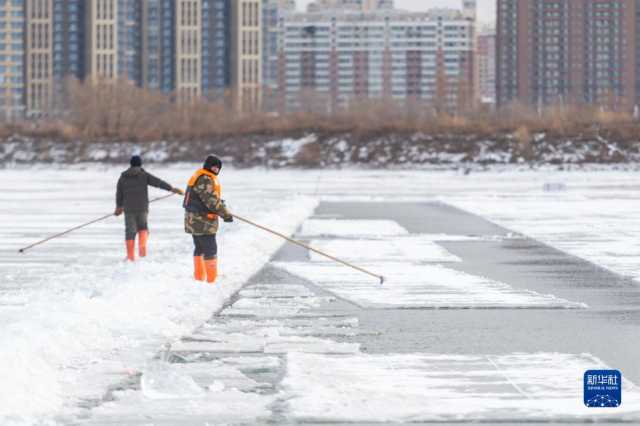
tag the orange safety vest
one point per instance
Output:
(192, 202)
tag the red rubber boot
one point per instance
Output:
(211, 267)
(143, 237)
(199, 270)
(131, 250)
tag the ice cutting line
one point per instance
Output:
(75, 228)
(301, 244)
(511, 382)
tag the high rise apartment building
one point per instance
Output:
(246, 54)
(568, 51)
(333, 57)
(39, 55)
(216, 48)
(188, 53)
(180, 47)
(157, 43)
(12, 58)
(102, 40)
(486, 67)
(53, 49)
(272, 12)
(185, 47)
(356, 5)
(130, 26)
(68, 41)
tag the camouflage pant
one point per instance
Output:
(134, 222)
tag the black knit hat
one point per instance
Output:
(212, 161)
(136, 161)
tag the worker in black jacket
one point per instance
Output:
(132, 198)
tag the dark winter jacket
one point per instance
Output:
(132, 193)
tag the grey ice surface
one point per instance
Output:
(306, 316)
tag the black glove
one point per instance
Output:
(228, 219)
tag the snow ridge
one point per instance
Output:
(98, 322)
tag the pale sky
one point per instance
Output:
(486, 8)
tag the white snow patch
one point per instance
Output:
(275, 303)
(281, 331)
(284, 326)
(351, 228)
(87, 317)
(252, 364)
(310, 345)
(291, 147)
(598, 226)
(272, 323)
(220, 405)
(276, 290)
(80, 304)
(159, 381)
(418, 387)
(420, 286)
(261, 340)
(232, 344)
(397, 249)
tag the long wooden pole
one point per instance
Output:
(292, 241)
(75, 228)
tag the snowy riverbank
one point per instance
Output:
(311, 150)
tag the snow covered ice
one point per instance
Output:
(425, 387)
(401, 249)
(84, 333)
(84, 319)
(350, 228)
(425, 286)
(409, 283)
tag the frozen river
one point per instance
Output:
(477, 322)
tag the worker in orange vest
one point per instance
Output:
(203, 205)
